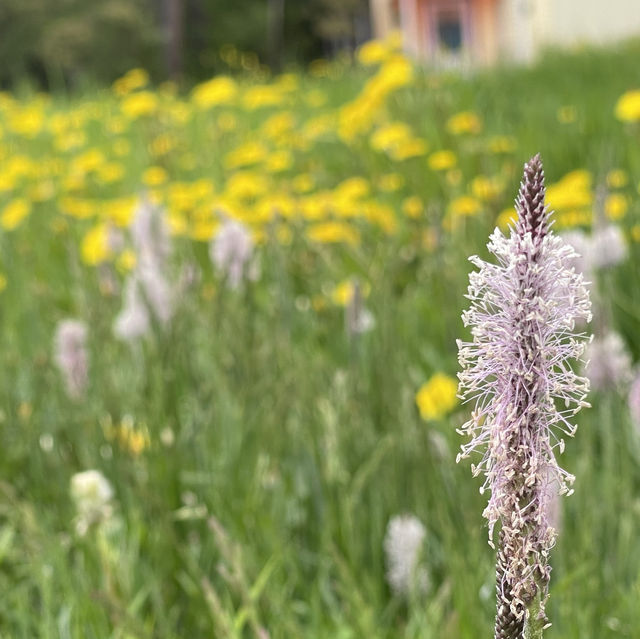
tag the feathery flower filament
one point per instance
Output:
(517, 369)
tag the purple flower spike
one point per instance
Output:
(517, 370)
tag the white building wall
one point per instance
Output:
(574, 22)
(516, 39)
(528, 26)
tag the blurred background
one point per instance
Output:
(234, 242)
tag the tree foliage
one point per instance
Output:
(61, 42)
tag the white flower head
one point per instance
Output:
(582, 261)
(231, 250)
(150, 233)
(92, 493)
(609, 362)
(608, 246)
(70, 355)
(133, 320)
(358, 318)
(634, 402)
(148, 291)
(402, 543)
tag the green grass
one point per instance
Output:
(300, 443)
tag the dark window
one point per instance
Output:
(450, 30)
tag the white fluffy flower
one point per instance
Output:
(92, 493)
(608, 247)
(150, 233)
(609, 362)
(604, 248)
(634, 402)
(133, 320)
(70, 355)
(148, 290)
(358, 318)
(231, 250)
(581, 242)
(402, 544)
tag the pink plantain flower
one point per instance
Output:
(231, 251)
(517, 369)
(70, 354)
(148, 291)
(634, 402)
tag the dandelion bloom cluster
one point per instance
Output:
(517, 370)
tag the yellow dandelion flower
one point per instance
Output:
(413, 207)
(178, 224)
(26, 122)
(343, 292)
(219, 90)
(91, 160)
(388, 136)
(573, 191)
(616, 206)
(628, 106)
(155, 176)
(437, 397)
(130, 81)
(262, 95)
(501, 144)
(279, 161)
(507, 218)
(245, 185)
(119, 211)
(139, 104)
(352, 188)
(245, 155)
(486, 188)
(382, 216)
(442, 160)
(77, 207)
(372, 52)
(409, 149)
(126, 261)
(464, 205)
(278, 124)
(333, 232)
(14, 213)
(94, 248)
(3, 282)
(464, 122)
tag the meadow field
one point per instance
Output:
(238, 306)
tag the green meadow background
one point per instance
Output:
(257, 450)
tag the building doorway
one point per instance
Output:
(450, 30)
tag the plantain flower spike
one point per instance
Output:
(517, 370)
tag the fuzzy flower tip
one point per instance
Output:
(231, 251)
(70, 355)
(609, 362)
(92, 493)
(402, 543)
(517, 370)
